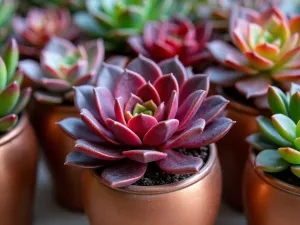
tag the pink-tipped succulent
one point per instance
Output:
(62, 66)
(178, 36)
(39, 26)
(12, 99)
(140, 115)
(266, 51)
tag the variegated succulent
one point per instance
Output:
(140, 115)
(178, 36)
(115, 20)
(39, 26)
(279, 137)
(7, 11)
(266, 51)
(12, 99)
(62, 66)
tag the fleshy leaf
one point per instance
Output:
(284, 126)
(8, 122)
(296, 170)
(290, 155)
(105, 103)
(270, 161)
(260, 142)
(9, 98)
(294, 108)
(277, 101)
(108, 76)
(11, 58)
(144, 156)
(165, 86)
(141, 123)
(78, 159)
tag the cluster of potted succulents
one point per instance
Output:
(130, 97)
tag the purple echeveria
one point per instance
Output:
(62, 66)
(178, 36)
(140, 115)
(39, 26)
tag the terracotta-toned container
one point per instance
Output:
(56, 145)
(193, 201)
(18, 166)
(233, 151)
(269, 201)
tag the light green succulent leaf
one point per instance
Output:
(296, 170)
(9, 98)
(6, 12)
(298, 129)
(3, 75)
(284, 126)
(295, 107)
(290, 155)
(277, 101)
(260, 142)
(8, 122)
(11, 59)
(267, 129)
(130, 18)
(138, 109)
(23, 101)
(89, 25)
(270, 161)
(297, 143)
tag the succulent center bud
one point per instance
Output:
(148, 108)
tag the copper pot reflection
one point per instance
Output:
(269, 201)
(18, 166)
(193, 201)
(56, 145)
(233, 151)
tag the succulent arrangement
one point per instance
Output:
(62, 66)
(116, 20)
(178, 36)
(279, 137)
(7, 10)
(141, 115)
(35, 30)
(266, 52)
(12, 99)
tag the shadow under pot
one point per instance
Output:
(268, 200)
(56, 145)
(192, 201)
(233, 150)
(18, 167)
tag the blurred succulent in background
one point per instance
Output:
(7, 11)
(12, 99)
(39, 26)
(140, 115)
(62, 66)
(267, 51)
(178, 36)
(279, 138)
(116, 20)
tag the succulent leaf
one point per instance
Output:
(270, 161)
(277, 101)
(296, 170)
(260, 142)
(8, 122)
(295, 107)
(284, 126)
(290, 155)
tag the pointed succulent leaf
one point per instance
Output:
(294, 88)
(104, 102)
(267, 129)
(3, 75)
(260, 142)
(11, 58)
(9, 98)
(297, 143)
(165, 85)
(47, 98)
(295, 107)
(277, 101)
(144, 156)
(270, 161)
(141, 123)
(23, 100)
(290, 155)
(298, 129)
(8, 122)
(80, 160)
(296, 170)
(284, 126)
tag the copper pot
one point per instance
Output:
(56, 145)
(18, 166)
(233, 151)
(193, 201)
(269, 201)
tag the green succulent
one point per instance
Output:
(7, 11)
(115, 20)
(279, 137)
(12, 99)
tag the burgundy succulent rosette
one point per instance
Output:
(140, 115)
(39, 26)
(178, 36)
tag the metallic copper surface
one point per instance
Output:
(56, 145)
(18, 165)
(233, 151)
(269, 201)
(194, 201)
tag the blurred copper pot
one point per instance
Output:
(269, 201)
(56, 145)
(233, 151)
(193, 201)
(18, 166)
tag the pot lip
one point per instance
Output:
(58, 107)
(276, 183)
(237, 105)
(22, 124)
(163, 189)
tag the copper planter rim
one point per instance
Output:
(237, 105)
(163, 189)
(276, 183)
(15, 131)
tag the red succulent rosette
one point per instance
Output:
(179, 36)
(140, 115)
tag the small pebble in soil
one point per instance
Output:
(154, 176)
